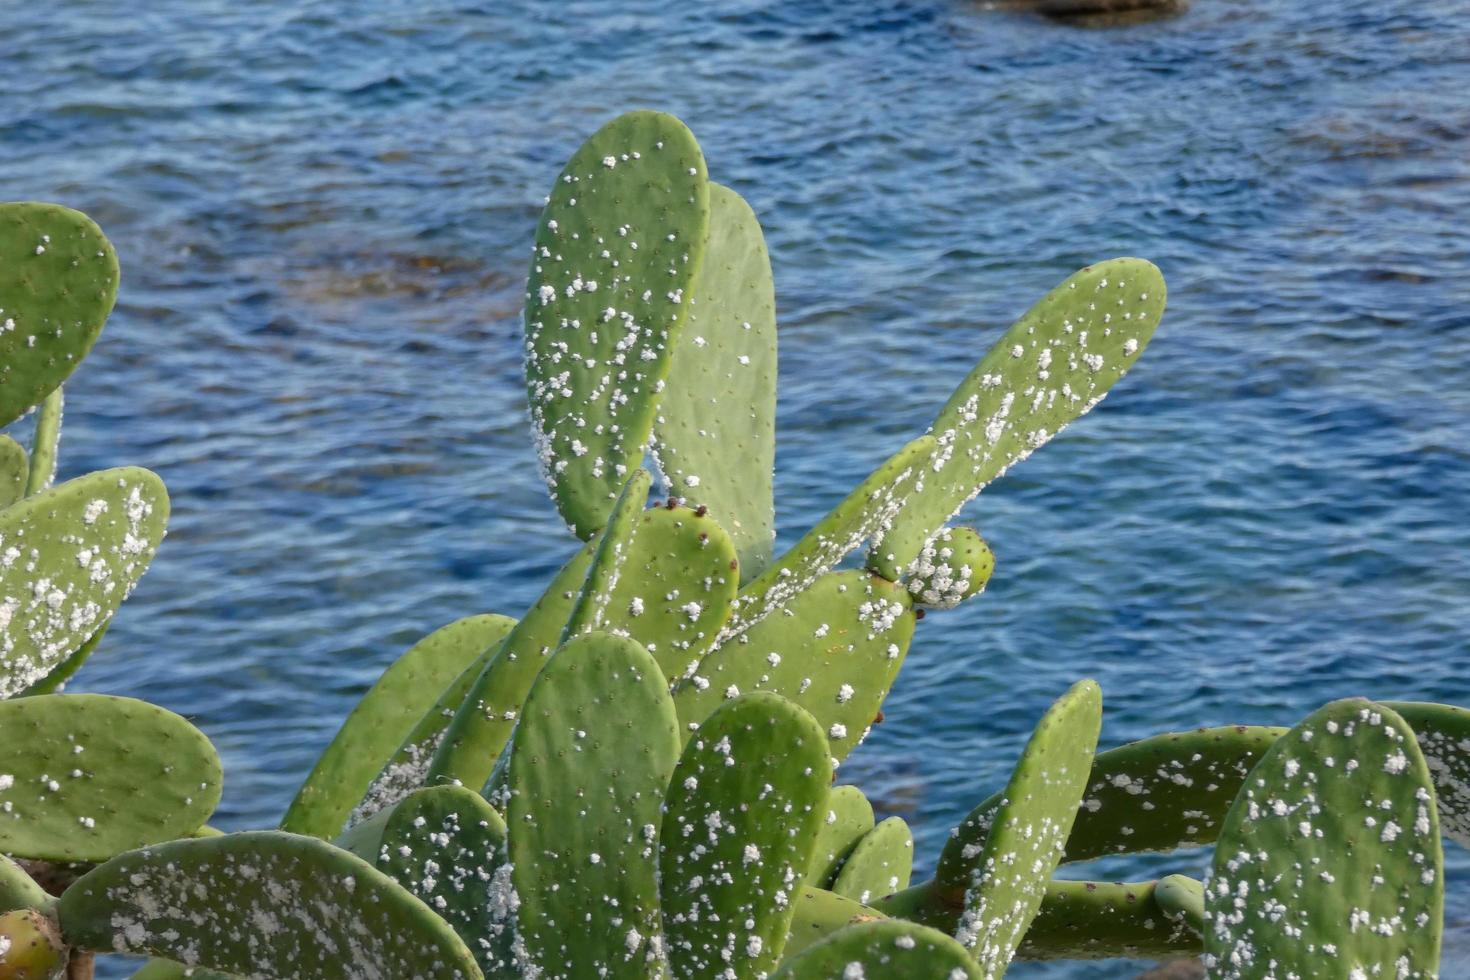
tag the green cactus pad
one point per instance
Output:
(846, 820)
(471, 722)
(68, 558)
(857, 518)
(53, 682)
(1052, 366)
(384, 717)
(954, 566)
(58, 281)
(740, 825)
(1443, 733)
(820, 914)
(1157, 794)
(31, 947)
(881, 864)
(1182, 899)
(14, 465)
(445, 844)
(262, 903)
(835, 650)
(42, 471)
(1029, 832)
(84, 776)
(19, 890)
(589, 763)
(1331, 850)
(614, 545)
(616, 257)
(885, 950)
(715, 430)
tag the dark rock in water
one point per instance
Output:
(1106, 8)
(1176, 970)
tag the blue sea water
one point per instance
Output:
(323, 212)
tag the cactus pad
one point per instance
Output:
(383, 719)
(954, 566)
(715, 430)
(13, 469)
(885, 950)
(84, 776)
(68, 557)
(589, 763)
(1157, 794)
(261, 903)
(1052, 366)
(44, 442)
(834, 650)
(1029, 832)
(740, 824)
(58, 281)
(614, 545)
(1443, 733)
(1331, 850)
(31, 947)
(820, 914)
(880, 864)
(846, 819)
(860, 515)
(19, 890)
(616, 256)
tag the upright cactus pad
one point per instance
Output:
(85, 776)
(1157, 794)
(44, 443)
(68, 558)
(1030, 830)
(58, 281)
(265, 903)
(445, 844)
(860, 515)
(1443, 734)
(383, 719)
(1330, 853)
(616, 257)
(954, 565)
(885, 950)
(19, 890)
(820, 914)
(739, 826)
(590, 760)
(880, 864)
(834, 650)
(1052, 366)
(614, 545)
(13, 469)
(715, 430)
(846, 819)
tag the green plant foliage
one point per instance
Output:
(1030, 829)
(954, 566)
(53, 682)
(261, 903)
(1443, 734)
(1331, 852)
(616, 257)
(72, 554)
(19, 890)
(888, 950)
(715, 430)
(835, 650)
(880, 864)
(58, 281)
(14, 465)
(84, 776)
(614, 545)
(1052, 366)
(44, 444)
(590, 760)
(384, 717)
(820, 914)
(847, 819)
(1183, 900)
(31, 947)
(740, 823)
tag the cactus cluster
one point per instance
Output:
(635, 779)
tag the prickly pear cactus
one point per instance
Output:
(1092, 920)
(13, 469)
(19, 890)
(1182, 899)
(58, 281)
(887, 950)
(819, 914)
(846, 819)
(384, 717)
(954, 566)
(56, 680)
(1030, 829)
(614, 545)
(714, 435)
(84, 776)
(880, 864)
(616, 257)
(860, 515)
(1443, 734)
(835, 650)
(1330, 853)
(68, 558)
(264, 903)
(740, 824)
(589, 763)
(42, 470)
(1052, 366)
(1157, 794)
(31, 947)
